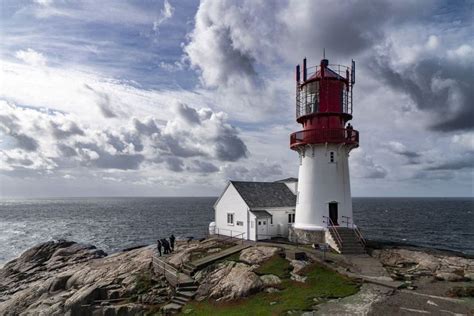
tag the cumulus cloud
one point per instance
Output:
(65, 142)
(31, 57)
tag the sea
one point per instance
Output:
(114, 223)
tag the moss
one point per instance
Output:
(276, 265)
(321, 283)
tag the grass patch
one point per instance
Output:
(322, 283)
(276, 265)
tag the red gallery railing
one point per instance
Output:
(324, 135)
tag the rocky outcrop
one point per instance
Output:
(256, 255)
(407, 264)
(230, 280)
(64, 277)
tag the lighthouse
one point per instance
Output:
(324, 109)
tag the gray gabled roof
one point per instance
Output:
(288, 180)
(261, 214)
(265, 194)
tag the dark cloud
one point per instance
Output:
(148, 127)
(174, 164)
(67, 151)
(65, 130)
(203, 167)
(25, 142)
(187, 113)
(230, 148)
(439, 87)
(457, 164)
(9, 125)
(103, 102)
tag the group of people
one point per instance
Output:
(165, 245)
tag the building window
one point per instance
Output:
(230, 219)
(239, 223)
(271, 220)
(291, 218)
(331, 157)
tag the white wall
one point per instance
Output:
(231, 202)
(293, 186)
(321, 182)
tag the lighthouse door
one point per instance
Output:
(333, 213)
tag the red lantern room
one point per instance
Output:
(324, 105)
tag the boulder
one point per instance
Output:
(449, 276)
(230, 281)
(270, 280)
(298, 265)
(256, 255)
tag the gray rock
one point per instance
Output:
(270, 280)
(449, 276)
(255, 255)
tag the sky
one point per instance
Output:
(174, 98)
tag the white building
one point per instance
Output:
(256, 210)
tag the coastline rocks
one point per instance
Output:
(228, 281)
(449, 276)
(64, 277)
(408, 264)
(255, 255)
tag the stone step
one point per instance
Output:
(179, 300)
(184, 284)
(188, 288)
(172, 307)
(186, 294)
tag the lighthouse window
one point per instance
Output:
(291, 218)
(331, 157)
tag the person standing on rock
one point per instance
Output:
(158, 246)
(172, 239)
(166, 246)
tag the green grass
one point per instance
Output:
(277, 266)
(322, 283)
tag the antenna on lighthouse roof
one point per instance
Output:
(324, 53)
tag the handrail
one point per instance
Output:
(359, 234)
(231, 236)
(356, 230)
(347, 220)
(324, 135)
(330, 225)
(173, 271)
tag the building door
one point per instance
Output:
(333, 213)
(262, 228)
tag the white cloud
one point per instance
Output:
(31, 57)
(165, 14)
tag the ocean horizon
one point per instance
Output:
(116, 223)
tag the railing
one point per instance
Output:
(232, 235)
(324, 135)
(356, 229)
(170, 272)
(332, 228)
(308, 92)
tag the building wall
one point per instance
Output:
(322, 182)
(293, 186)
(231, 202)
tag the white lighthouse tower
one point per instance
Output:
(323, 108)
